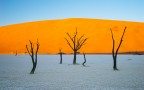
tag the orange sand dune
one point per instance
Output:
(51, 35)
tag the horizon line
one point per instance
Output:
(72, 18)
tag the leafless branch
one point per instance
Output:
(69, 44)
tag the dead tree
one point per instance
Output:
(60, 52)
(33, 55)
(16, 53)
(114, 53)
(76, 44)
(84, 59)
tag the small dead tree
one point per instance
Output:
(84, 59)
(16, 53)
(60, 52)
(114, 53)
(76, 44)
(33, 55)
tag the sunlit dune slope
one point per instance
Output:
(51, 33)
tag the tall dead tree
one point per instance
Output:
(60, 52)
(76, 44)
(114, 53)
(33, 55)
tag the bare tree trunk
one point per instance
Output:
(16, 53)
(33, 69)
(60, 58)
(60, 52)
(115, 64)
(84, 59)
(34, 65)
(114, 60)
(74, 59)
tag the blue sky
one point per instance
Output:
(19, 11)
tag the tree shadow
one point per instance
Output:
(85, 66)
